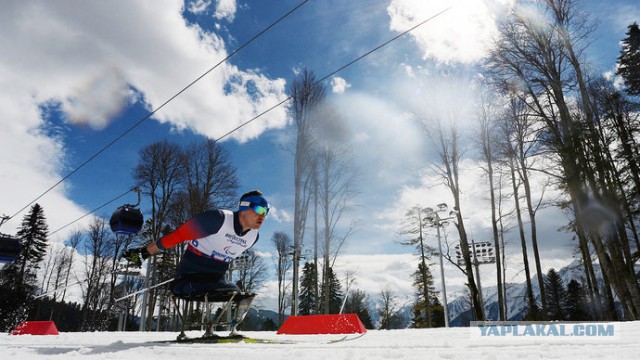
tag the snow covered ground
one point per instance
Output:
(453, 343)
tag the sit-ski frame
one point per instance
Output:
(223, 316)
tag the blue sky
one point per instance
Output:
(76, 75)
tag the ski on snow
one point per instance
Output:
(236, 338)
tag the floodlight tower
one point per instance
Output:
(436, 221)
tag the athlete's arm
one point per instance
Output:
(199, 226)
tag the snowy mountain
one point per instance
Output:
(459, 309)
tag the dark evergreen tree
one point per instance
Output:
(629, 60)
(18, 280)
(335, 293)
(532, 313)
(308, 297)
(269, 325)
(556, 295)
(575, 301)
(14, 307)
(437, 312)
(32, 233)
(357, 303)
(417, 219)
(420, 317)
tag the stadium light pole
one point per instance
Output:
(438, 222)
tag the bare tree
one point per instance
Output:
(620, 125)
(58, 261)
(333, 180)
(160, 175)
(503, 228)
(74, 241)
(115, 245)
(254, 273)
(282, 243)
(517, 145)
(336, 196)
(487, 120)
(96, 272)
(210, 178)
(515, 185)
(50, 264)
(447, 138)
(389, 316)
(539, 60)
(306, 95)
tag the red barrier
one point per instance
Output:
(35, 328)
(322, 324)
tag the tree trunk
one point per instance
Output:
(533, 306)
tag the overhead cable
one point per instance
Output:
(103, 149)
(248, 121)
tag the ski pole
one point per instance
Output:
(57, 289)
(143, 290)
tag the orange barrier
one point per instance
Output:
(322, 324)
(35, 328)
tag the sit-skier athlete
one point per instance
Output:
(215, 238)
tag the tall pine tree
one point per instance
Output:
(32, 233)
(18, 281)
(576, 303)
(414, 225)
(421, 319)
(629, 60)
(335, 293)
(308, 297)
(556, 295)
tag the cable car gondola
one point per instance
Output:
(126, 220)
(9, 249)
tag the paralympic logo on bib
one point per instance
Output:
(227, 250)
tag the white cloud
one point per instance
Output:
(98, 100)
(461, 34)
(199, 6)
(74, 54)
(225, 9)
(31, 160)
(280, 215)
(339, 85)
(409, 70)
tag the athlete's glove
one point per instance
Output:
(136, 255)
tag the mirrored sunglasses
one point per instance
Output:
(259, 209)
